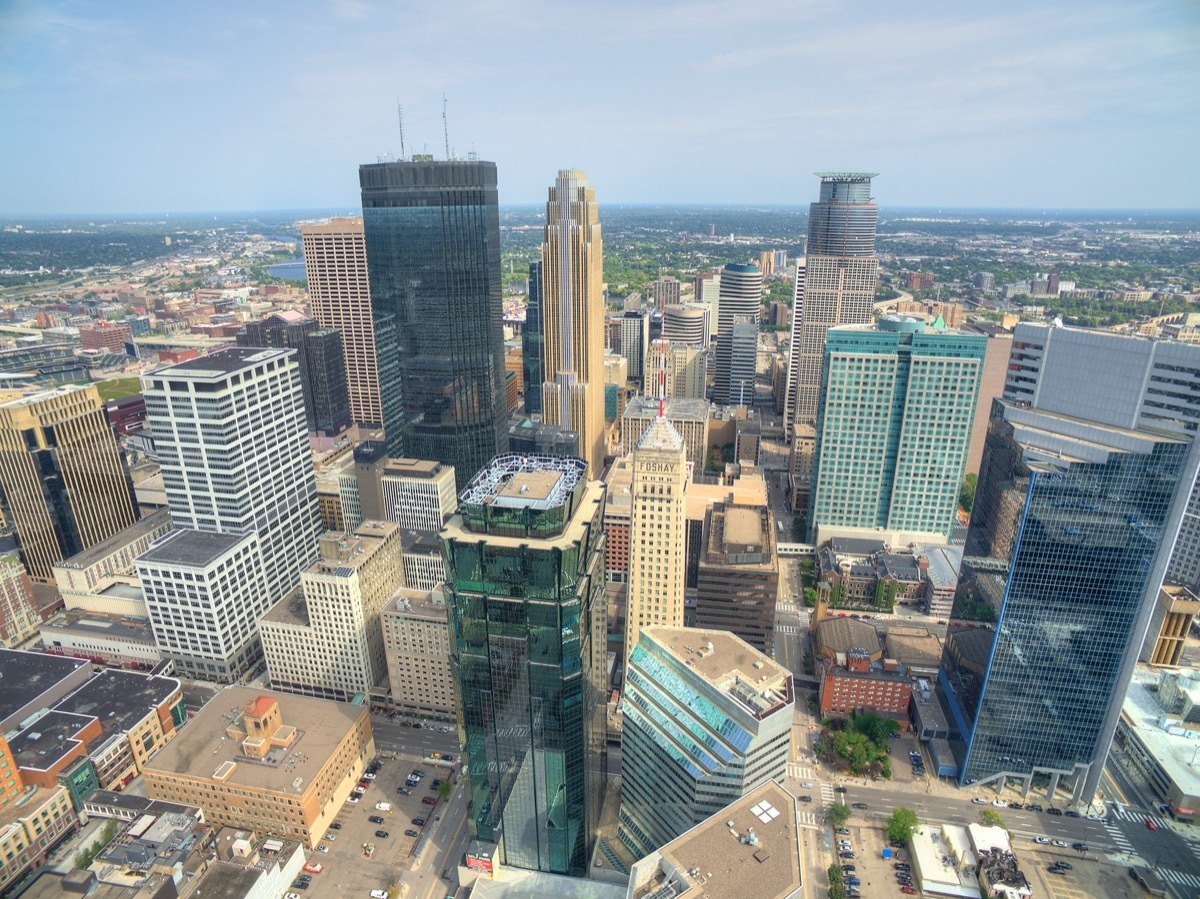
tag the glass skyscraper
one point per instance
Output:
(1070, 536)
(432, 233)
(528, 612)
(532, 358)
(897, 406)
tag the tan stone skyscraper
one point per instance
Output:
(657, 532)
(335, 261)
(65, 486)
(573, 315)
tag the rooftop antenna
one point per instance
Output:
(445, 127)
(400, 116)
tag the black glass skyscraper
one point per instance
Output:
(432, 233)
(532, 359)
(1070, 536)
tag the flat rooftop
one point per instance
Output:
(675, 409)
(195, 548)
(413, 468)
(913, 646)
(1174, 752)
(417, 604)
(157, 521)
(743, 526)
(120, 699)
(525, 481)
(711, 861)
(730, 665)
(221, 363)
(199, 749)
(40, 745)
(292, 609)
(24, 676)
(94, 624)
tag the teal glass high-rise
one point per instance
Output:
(528, 613)
(1071, 532)
(432, 232)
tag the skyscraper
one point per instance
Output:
(740, 303)
(339, 294)
(897, 409)
(1070, 537)
(231, 438)
(707, 719)
(533, 359)
(635, 342)
(657, 544)
(573, 316)
(322, 366)
(836, 286)
(62, 475)
(432, 233)
(525, 557)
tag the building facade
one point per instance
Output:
(417, 494)
(433, 257)
(707, 719)
(687, 323)
(528, 618)
(836, 284)
(657, 554)
(689, 417)
(19, 618)
(738, 578)
(894, 426)
(737, 333)
(573, 315)
(635, 342)
(416, 642)
(339, 294)
(1069, 541)
(533, 360)
(325, 639)
(62, 475)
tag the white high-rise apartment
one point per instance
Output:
(339, 292)
(740, 304)
(657, 529)
(232, 441)
(325, 639)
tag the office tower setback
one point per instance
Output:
(573, 316)
(339, 295)
(528, 614)
(324, 638)
(433, 254)
(707, 719)
(635, 342)
(62, 475)
(738, 577)
(740, 304)
(657, 544)
(322, 366)
(231, 438)
(897, 409)
(533, 359)
(1070, 537)
(836, 285)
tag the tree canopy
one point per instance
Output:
(902, 824)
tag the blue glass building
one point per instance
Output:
(1071, 532)
(533, 360)
(432, 232)
(528, 612)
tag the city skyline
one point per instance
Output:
(996, 113)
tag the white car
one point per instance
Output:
(379, 894)
(999, 803)
(368, 776)
(1058, 842)
(806, 785)
(1043, 840)
(322, 849)
(978, 801)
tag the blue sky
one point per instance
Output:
(151, 107)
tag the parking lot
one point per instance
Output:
(347, 869)
(877, 874)
(1087, 878)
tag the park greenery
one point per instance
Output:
(966, 493)
(969, 607)
(858, 744)
(901, 824)
(837, 885)
(88, 855)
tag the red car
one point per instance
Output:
(428, 800)
(1150, 824)
(908, 891)
(314, 868)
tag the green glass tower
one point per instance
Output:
(527, 609)
(893, 429)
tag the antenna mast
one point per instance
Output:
(400, 115)
(445, 127)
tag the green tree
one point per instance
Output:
(902, 824)
(989, 817)
(444, 790)
(837, 888)
(966, 493)
(837, 814)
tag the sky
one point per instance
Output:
(151, 107)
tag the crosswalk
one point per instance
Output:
(801, 772)
(1118, 837)
(828, 797)
(1129, 815)
(1183, 878)
(809, 820)
(786, 629)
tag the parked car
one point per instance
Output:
(382, 834)
(314, 867)
(1066, 866)
(404, 791)
(842, 830)
(908, 891)
(845, 855)
(379, 894)
(375, 819)
(806, 799)
(1045, 841)
(335, 826)
(369, 776)
(411, 833)
(1033, 807)
(418, 822)
(979, 800)
(999, 803)
(901, 866)
(848, 869)
(429, 800)
(1080, 847)
(322, 848)
(1053, 811)
(1060, 843)
(330, 836)
(1054, 869)
(1071, 814)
